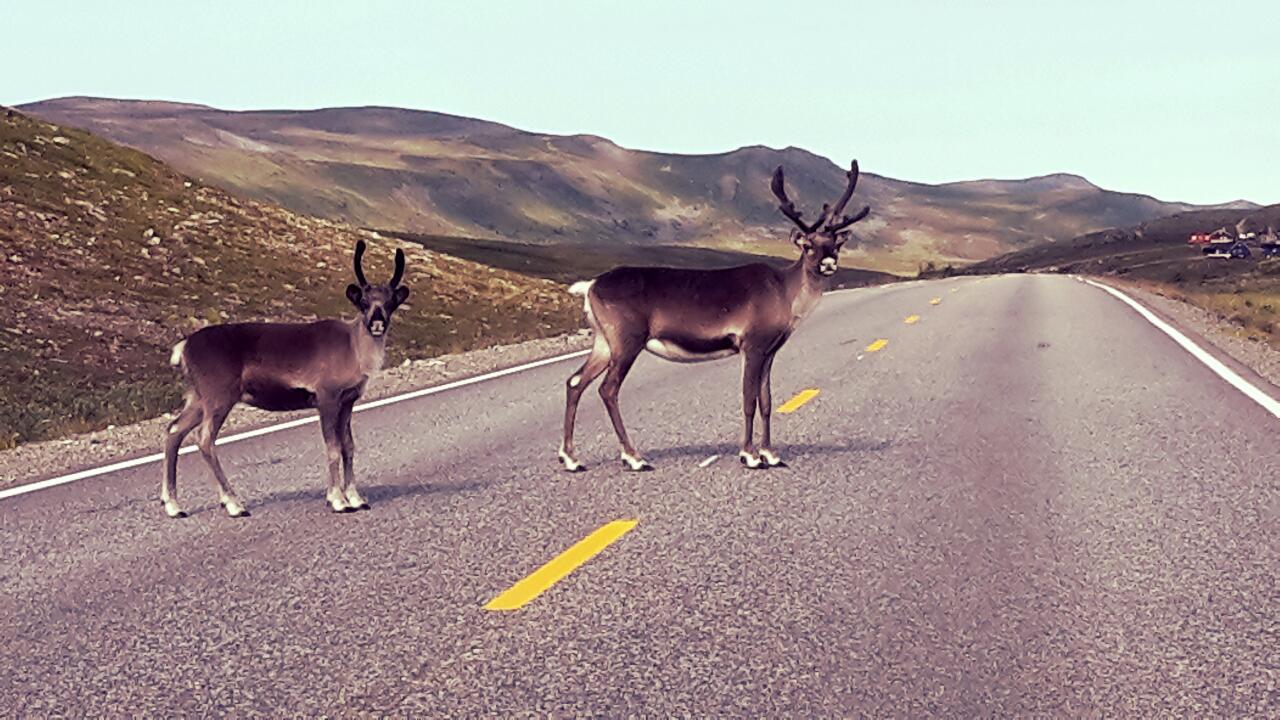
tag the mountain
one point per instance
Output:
(110, 256)
(429, 173)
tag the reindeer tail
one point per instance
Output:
(175, 357)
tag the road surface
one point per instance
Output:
(1026, 500)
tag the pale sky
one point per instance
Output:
(1178, 99)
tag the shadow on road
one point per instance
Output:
(374, 493)
(787, 450)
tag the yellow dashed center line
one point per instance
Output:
(523, 592)
(935, 301)
(794, 403)
(912, 319)
(877, 345)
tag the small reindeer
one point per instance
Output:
(284, 366)
(696, 315)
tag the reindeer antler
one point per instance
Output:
(399, 273)
(846, 221)
(788, 208)
(360, 271)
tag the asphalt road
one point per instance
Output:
(1028, 501)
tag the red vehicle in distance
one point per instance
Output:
(1221, 235)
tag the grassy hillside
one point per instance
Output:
(1246, 292)
(110, 257)
(433, 174)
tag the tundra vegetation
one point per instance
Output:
(110, 257)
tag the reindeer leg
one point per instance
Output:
(186, 421)
(354, 499)
(623, 357)
(577, 384)
(213, 419)
(330, 410)
(766, 410)
(752, 364)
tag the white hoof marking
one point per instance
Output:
(569, 463)
(337, 501)
(172, 510)
(749, 460)
(354, 498)
(769, 457)
(635, 463)
(233, 506)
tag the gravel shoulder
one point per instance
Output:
(1227, 337)
(33, 461)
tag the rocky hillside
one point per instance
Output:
(109, 257)
(433, 174)
(1153, 249)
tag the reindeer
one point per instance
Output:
(284, 366)
(696, 315)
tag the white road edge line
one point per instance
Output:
(1253, 392)
(157, 457)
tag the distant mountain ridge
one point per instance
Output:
(436, 174)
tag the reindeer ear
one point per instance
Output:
(842, 238)
(800, 239)
(401, 294)
(355, 294)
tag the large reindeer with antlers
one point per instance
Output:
(284, 366)
(696, 315)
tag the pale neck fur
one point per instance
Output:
(370, 350)
(804, 289)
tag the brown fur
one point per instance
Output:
(284, 366)
(693, 315)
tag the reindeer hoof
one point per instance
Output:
(179, 514)
(751, 461)
(635, 464)
(362, 506)
(570, 464)
(772, 460)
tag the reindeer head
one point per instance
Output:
(377, 302)
(821, 241)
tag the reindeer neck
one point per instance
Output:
(804, 288)
(370, 351)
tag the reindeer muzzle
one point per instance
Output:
(827, 266)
